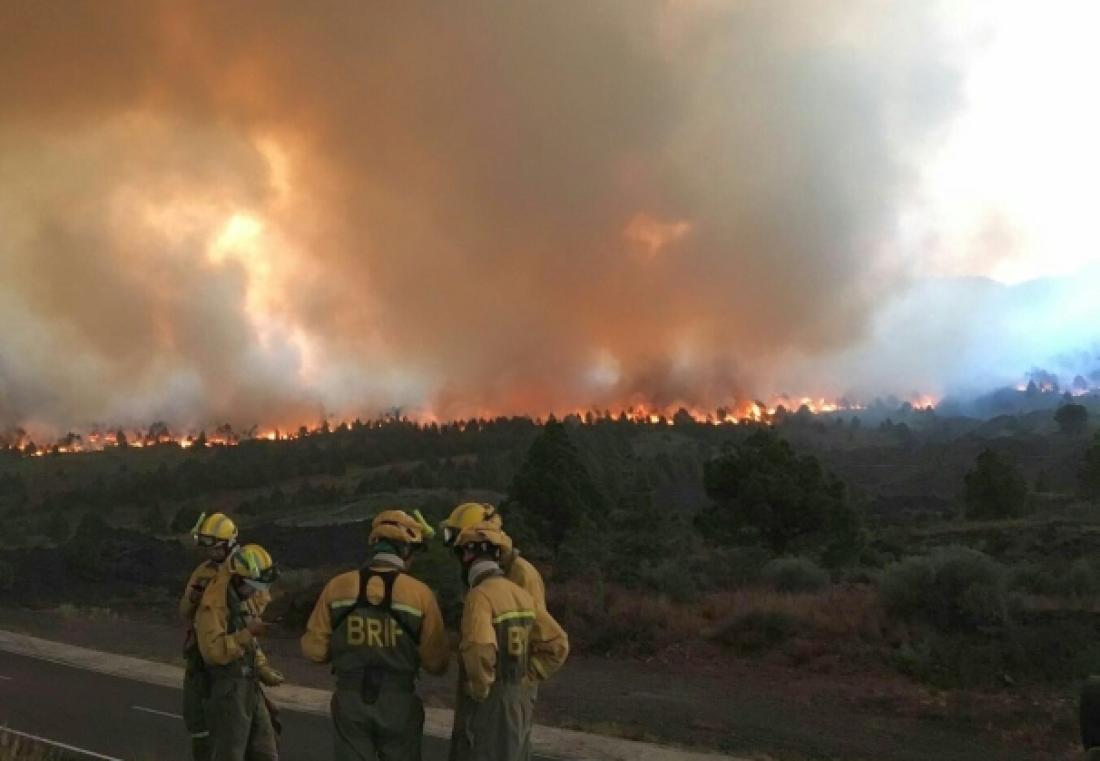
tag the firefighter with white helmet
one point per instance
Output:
(378, 627)
(227, 630)
(508, 645)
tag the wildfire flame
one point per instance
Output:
(159, 434)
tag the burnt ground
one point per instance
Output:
(699, 698)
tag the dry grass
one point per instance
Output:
(613, 620)
(834, 612)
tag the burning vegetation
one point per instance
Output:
(101, 438)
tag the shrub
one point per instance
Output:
(759, 630)
(952, 589)
(1081, 580)
(669, 577)
(729, 567)
(1072, 418)
(605, 619)
(1090, 469)
(55, 526)
(788, 499)
(183, 520)
(1034, 579)
(994, 488)
(794, 575)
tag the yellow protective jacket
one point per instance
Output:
(503, 627)
(523, 574)
(218, 646)
(410, 596)
(201, 577)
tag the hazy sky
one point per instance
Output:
(265, 211)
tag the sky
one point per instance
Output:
(266, 213)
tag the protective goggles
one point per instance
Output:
(450, 535)
(267, 576)
(204, 540)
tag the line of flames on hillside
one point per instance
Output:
(160, 434)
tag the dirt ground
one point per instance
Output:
(751, 707)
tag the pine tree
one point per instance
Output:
(994, 488)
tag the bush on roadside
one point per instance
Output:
(759, 630)
(729, 567)
(669, 577)
(951, 589)
(793, 575)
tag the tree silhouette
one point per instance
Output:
(554, 489)
(994, 488)
(763, 485)
(1072, 418)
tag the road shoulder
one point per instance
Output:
(548, 741)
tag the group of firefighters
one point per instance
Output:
(378, 627)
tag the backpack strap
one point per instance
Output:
(389, 579)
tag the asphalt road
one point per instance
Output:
(118, 719)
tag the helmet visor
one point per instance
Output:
(267, 576)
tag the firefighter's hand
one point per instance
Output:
(270, 677)
(256, 626)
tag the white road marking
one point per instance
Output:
(55, 744)
(6, 678)
(155, 712)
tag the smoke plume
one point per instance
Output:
(269, 211)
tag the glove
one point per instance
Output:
(269, 677)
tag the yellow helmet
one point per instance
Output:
(466, 515)
(254, 564)
(216, 528)
(400, 527)
(486, 537)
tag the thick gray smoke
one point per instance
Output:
(266, 211)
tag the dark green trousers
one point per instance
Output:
(496, 729)
(240, 725)
(390, 729)
(196, 690)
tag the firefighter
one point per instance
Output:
(508, 645)
(379, 626)
(516, 568)
(216, 536)
(227, 630)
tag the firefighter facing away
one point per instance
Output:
(216, 536)
(227, 630)
(378, 627)
(508, 645)
(516, 568)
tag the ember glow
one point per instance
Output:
(274, 213)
